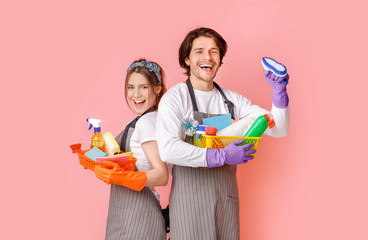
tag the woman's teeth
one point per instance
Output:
(139, 101)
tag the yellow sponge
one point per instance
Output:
(111, 145)
(122, 154)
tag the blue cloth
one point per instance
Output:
(219, 122)
(94, 153)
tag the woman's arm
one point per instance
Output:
(158, 175)
(111, 173)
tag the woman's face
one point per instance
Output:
(140, 94)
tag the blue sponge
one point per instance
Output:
(94, 153)
(277, 68)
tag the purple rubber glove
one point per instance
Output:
(280, 97)
(232, 154)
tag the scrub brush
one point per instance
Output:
(111, 145)
(277, 68)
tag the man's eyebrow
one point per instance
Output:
(201, 48)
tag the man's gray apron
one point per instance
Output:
(204, 201)
(132, 214)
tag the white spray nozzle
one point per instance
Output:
(95, 123)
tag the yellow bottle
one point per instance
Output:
(98, 141)
(97, 138)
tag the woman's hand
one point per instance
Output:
(114, 174)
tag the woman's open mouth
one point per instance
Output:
(139, 103)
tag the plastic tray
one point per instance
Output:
(88, 163)
(216, 142)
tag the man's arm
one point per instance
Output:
(281, 118)
(168, 131)
(244, 108)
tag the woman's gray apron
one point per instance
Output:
(204, 201)
(132, 214)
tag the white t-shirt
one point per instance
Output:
(145, 131)
(176, 108)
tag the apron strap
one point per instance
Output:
(228, 103)
(124, 139)
(191, 93)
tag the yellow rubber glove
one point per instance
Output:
(114, 174)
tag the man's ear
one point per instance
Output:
(187, 61)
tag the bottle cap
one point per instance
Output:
(201, 128)
(271, 123)
(267, 117)
(211, 131)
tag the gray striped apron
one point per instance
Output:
(204, 201)
(133, 215)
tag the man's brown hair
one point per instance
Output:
(186, 45)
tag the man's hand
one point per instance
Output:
(232, 154)
(280, 97)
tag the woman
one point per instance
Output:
(134, 209)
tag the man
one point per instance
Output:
(204, 195)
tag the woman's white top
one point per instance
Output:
(145, 131)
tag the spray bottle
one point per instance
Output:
(97, 138)
(260, 125)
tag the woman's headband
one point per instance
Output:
(152, 67)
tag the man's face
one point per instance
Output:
(203, 60)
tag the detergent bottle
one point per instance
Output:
(97, 138)
(260, 125)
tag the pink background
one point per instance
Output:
(64, 61)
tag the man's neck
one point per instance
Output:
(201, 85)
